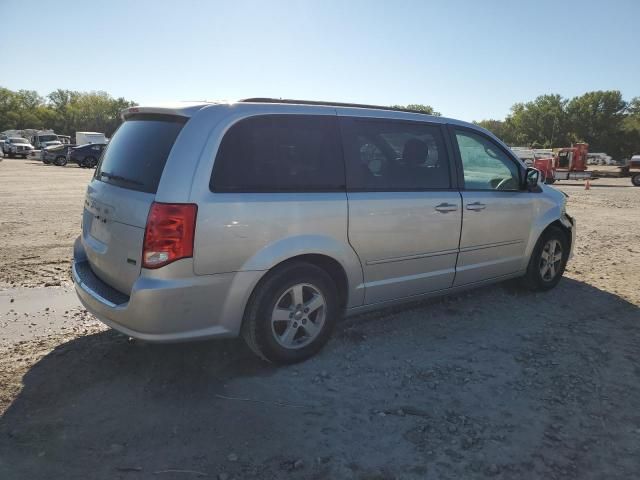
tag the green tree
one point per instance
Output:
(64, 111)
(631, 129)
(503, 129)
(597, 118)
(542, 121)
(428, 109)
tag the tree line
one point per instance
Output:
(63, 111)
(603, 119)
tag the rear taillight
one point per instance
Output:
(169, 233)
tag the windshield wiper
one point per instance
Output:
(120, 178)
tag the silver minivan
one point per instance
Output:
(272, 219)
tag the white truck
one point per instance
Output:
(44, 139)
(82, 138)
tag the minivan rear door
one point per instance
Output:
(119, 196)
(404, 214)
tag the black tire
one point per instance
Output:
(257, 329)
(89, 162)
(534, 279)
(60, 161)
(635, 180)
(549, 180)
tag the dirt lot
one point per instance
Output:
(40, 208)
(493, 383)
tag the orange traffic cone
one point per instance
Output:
(587, 186)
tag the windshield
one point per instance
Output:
(47, 138)
(19, 140)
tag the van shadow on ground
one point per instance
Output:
(489, 383)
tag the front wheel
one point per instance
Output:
(291, 314)
(548, 260)
(61, 161)
(635, 180)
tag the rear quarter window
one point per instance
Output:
(136, 155)
(280, 153)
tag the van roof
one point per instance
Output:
(188, 109)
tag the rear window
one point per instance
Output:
(138, 151)
(280, 153)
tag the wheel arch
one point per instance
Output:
(554, 217)
(325, 262)
(331, 254)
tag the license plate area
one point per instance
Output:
(99, 229)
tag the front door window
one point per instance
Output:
(485, 165)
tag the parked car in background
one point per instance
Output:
(271, 219)
(85, 156)
(18, 147)
(56, 155)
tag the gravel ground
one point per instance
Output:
(40, 209)
(493, 383)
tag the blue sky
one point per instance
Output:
(469, 59)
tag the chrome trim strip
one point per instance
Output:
(407, 278)
(443, 252)
(412, 257)
(490, 245)
(89, 290)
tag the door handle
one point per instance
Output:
(446, 207)
(477, 206)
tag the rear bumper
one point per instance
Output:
(167, 309)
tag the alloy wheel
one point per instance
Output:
(550, 260)
(298, 316)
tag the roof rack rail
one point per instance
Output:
(327, 104)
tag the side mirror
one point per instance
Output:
(533, 178)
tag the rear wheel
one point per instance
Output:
(291, 314)
(548, 260)
(61, 161)
(89, 162)
(549, 180)
(636, 180)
